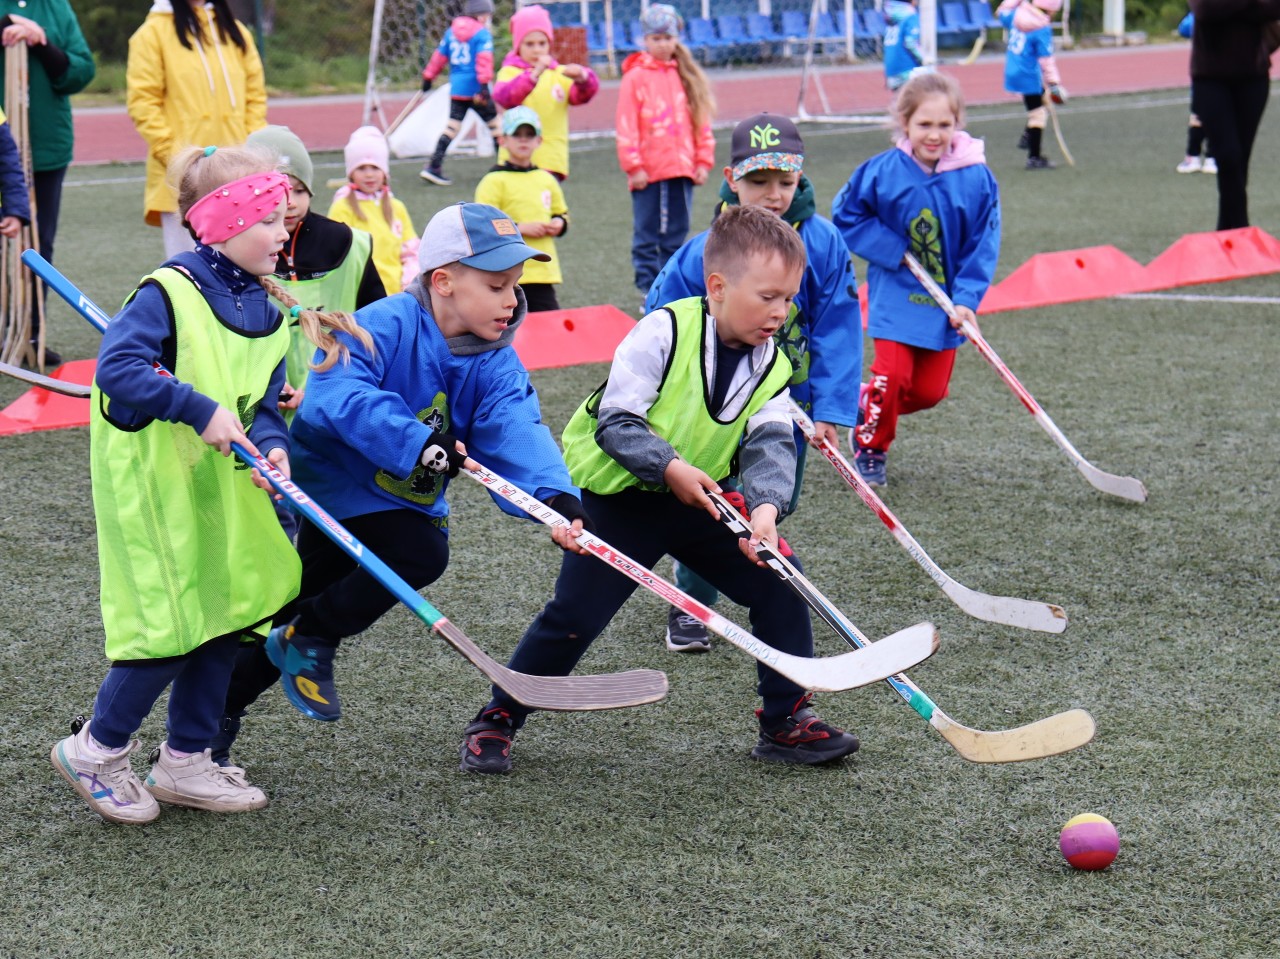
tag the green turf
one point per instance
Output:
(648, 832)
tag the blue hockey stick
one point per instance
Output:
(564, 693)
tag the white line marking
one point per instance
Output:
(1199, 298)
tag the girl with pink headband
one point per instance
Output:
(192, 559)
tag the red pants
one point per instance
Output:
(904, 379)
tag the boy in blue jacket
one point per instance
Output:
(376, 439)
(821, 337)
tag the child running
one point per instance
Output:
(376, 439)
(693, 387)
(467, 48)
(533, 199)
(665, 143)
(931, 195)
(531, 76)
(191, 557)
(822, 334)
(1029, 67)
(367, 203)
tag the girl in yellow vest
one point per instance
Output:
(367, 203)
(531, 76)
(192, 559)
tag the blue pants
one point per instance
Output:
(647, 526)
(661, 212)
(195, 703)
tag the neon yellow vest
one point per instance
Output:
(188, 548)
(335, 291)
(683, 421)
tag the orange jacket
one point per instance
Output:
(655, 130)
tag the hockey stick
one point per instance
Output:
(64, 387)
(400, 117)
(1057, 132)
(1045, 617)
(1125, 487)
(1055, 734)
(977, 49)
(563, 693)
(826, 674)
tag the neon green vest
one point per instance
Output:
(188, 548)
(683, 421)
(333, 292)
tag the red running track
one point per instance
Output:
(105, 134)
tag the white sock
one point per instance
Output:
(93, 746)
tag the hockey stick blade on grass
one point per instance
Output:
(1006, 610)
(827, 674)
(561, 693)
(1057, 132)
(65, 387)
(1055, 734)
(1125, 487)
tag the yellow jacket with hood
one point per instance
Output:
(212, 94)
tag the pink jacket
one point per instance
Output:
(512, 93)
(655, 130)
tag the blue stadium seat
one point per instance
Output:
(733, 32)
(703, 40)
(826, 28)
(760, 27)
(954, 27)
(980, 13)
(794, 24)
(595, 37)
(875, 22)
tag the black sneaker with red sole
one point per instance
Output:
(802, 738)
(486, 743)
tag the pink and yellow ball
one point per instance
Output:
(1089, 841)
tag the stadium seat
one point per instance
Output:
(760, 27)
(980, 13)
(733, 34)
(595, 38)
(875, 22)
(795, 25)
(703, 40)
(954, 27)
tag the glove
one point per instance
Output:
(440, 454)
(482, 96)
(426, 83)
(570, 507)
(1058, 93)
(739, 502)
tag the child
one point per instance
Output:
(374, 439)
(191, 557)
(1029, 67)
(325, 265)
(15, 205)
(821, 336)
(901, 42)
(689, 385)
(932, 196)
(1196, 143)
(533, 198)
(367, 203)
(531, 76)
(665, 144)
(467, 47)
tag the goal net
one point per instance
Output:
(405, 33)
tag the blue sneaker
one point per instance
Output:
(870, 465)
(306, 672)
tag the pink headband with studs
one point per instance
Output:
(233, 208)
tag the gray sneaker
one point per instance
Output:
(197, 782)
(107, 784)
(686, 634)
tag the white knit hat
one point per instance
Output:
(367, 145)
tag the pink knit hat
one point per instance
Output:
(530, 18)
(367, 145)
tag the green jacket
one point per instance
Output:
(51, 132)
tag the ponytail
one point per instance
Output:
(319, 327)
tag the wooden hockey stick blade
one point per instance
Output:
(608, 691)
(1057, 133)
(400, 117)
(822, 674)
(1125, 487)
(1006, 610)
(64, 387)
(977, 49)
(1050, 736)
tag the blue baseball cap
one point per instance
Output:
(475, 235)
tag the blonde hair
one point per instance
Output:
(918, 89)
(388, 212)
(319, 327)
(740, 232)
(697, 90)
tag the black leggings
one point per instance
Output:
(1230, 111)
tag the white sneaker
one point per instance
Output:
(197, 782)
(1192, 165)
(107, 784)
(1210, 165)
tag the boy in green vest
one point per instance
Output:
(697, 393)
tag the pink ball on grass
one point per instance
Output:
(1089, 842)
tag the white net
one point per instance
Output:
(405, 33)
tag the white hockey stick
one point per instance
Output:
(826, 674)
(1006, 610)
(1125, 487)
(1046, 737)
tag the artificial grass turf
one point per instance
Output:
(648, 832)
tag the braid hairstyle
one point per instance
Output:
(697, 90)
(388, 211)
(193, 173)
(319, 327)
